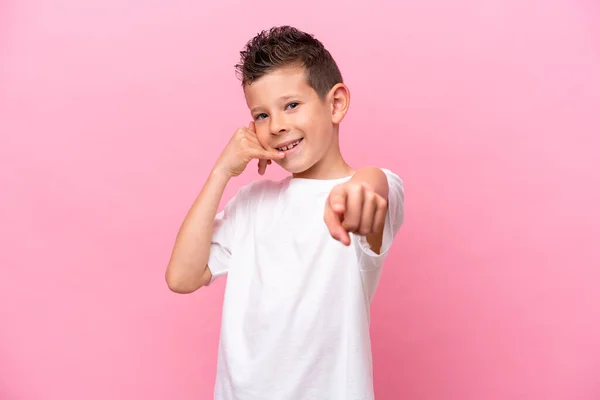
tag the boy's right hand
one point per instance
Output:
(241, 149)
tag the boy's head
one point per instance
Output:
(286, 46)
(296, 96)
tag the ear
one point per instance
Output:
(340, 101)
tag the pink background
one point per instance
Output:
(112, 113)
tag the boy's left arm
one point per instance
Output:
(359, 206)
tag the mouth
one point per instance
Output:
(289, 145)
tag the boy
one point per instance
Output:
(303, 255)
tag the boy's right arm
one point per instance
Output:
(188, 269)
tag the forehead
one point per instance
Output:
(286, 81)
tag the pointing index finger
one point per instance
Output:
(334, 225)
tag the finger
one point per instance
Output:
(252, 127)
(380, 215)
(251, 136)
(337, 200)
(261, 153)
(344, 237)
(354, 204)
(268, 162)
(368, 214)
(334, 225)
(262, 166)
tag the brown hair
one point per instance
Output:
(287, 46)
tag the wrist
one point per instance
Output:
(221, 174)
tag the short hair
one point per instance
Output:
(285, 46)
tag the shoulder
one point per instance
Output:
(259, 189)
(263, 185)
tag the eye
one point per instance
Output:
(292, 105)
(260, 116)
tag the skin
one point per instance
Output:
(284, 108)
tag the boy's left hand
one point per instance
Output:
(354, 207)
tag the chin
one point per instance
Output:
(295, 168)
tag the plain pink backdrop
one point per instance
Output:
(112, 113)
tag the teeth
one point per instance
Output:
(289, 146)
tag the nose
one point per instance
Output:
(278, 125)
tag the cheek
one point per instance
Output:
(262, 134)
(320, 129)
(303, 121)
(314, 123)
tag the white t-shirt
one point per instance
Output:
(295, 322)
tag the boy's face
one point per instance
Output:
(289, 113)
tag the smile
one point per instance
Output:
(289, 146)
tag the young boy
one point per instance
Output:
(303, 255)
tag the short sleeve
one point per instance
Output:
(393, 220)
(223, 237)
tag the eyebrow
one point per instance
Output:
(288, 97)
(282, 99)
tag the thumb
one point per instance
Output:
(252, 126)
(337, 200)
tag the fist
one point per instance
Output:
(242, 148)
(354, 207)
